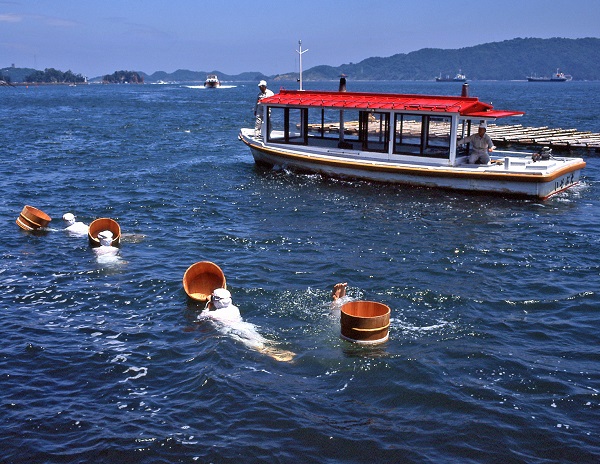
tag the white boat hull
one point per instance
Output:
(519, 176)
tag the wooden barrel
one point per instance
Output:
(365, 322)
(33, 218)
(23, 225)
(201, 278)
(101, 224)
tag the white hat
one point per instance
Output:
(68, 217)
(221, 298)
(483, 125)
(261, 83)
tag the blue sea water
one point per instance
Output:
(494, 349)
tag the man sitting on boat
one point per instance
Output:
(481, 145)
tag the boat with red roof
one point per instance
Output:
(399, 138)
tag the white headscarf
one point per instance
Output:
(69, 218)
(221, 298)
(105, 238)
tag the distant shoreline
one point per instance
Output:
(27, 84)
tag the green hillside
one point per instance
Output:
(508, 60)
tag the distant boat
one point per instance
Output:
(556, 77)
(458, 78)
(212, 81)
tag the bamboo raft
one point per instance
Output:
(509, 135)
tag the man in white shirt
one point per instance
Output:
(258, 111)
(481, 145)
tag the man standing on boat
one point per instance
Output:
(264, 93)
(481, 145)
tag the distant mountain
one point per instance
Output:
(508, 60)
(184, 75)
(513, 59)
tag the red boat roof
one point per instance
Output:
(464, 106)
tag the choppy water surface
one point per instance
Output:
(494, 345)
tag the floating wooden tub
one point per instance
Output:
(23, 225)
(365, 322)
(201, 278)
(101, 224)
(33, 218)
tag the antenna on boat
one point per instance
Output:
(301, 52)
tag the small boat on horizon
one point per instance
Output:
(458, 78)
(556, 77)
(212, 81)
(399, 139)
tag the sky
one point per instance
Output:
(98, 37)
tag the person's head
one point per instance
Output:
(220, 298)
(262, 85)
(69, 218)
(105, 238)
(482, 128)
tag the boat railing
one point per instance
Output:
(527, 154)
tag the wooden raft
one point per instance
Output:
(543, 136)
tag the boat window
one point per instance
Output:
(407, 138)
(275, 125)
(363, 130)
(374, 131)
(422, 135)
(464, 130)
(324, 127)
(438, 135)
(287, 125)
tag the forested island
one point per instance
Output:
(513, 59)
(47, 76)
(123, 77)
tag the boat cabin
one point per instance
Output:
(392, 127)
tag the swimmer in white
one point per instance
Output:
(106, 253)
(229, 321)
(77, 228)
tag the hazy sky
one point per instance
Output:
(96, 37)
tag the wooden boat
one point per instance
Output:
(398, 138)
(201, 278)
(212, 81)
(101, 224)
(556, 77)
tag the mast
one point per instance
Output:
(301, 52)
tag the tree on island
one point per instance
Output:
(123, 77)
(54, 76)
